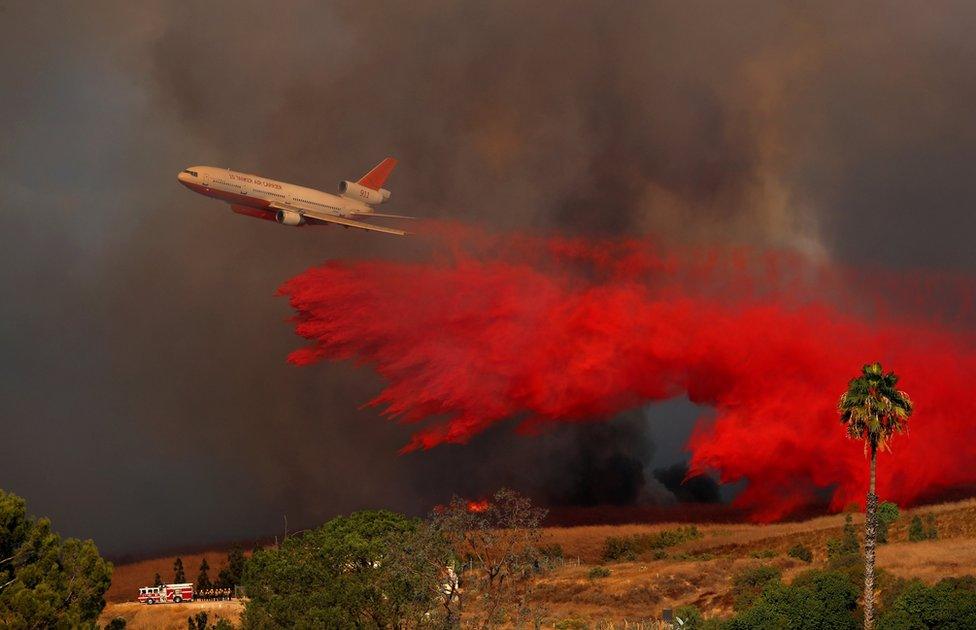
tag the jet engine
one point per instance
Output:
(286, 217)
(352, 190)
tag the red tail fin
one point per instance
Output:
(377, 175)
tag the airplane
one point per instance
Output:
(288, 204)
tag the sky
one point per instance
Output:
(145, 401)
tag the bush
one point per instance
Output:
(619, 548)
(748, 584)
(629, 547)
(847, 544)
(116, 624)
(598, 572)
(887, 514)
(572, 623)
(930, 531)
(916, 531)
(690, 616)
(949, 604)
(764, 553)
(800, 552)
(551, 552)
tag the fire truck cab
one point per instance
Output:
(167, 593)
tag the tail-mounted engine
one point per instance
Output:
(352, 190)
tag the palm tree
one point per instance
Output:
(873, 410)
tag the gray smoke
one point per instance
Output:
(144, 394)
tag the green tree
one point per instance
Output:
(887, 514)
(355, 571)
(873, 410)
(815, 599)
(203, 578)
(46, 581)
(949, 604)
(157, 580)
(179, 575)
(230, 576)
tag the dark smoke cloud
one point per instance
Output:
(143, 384)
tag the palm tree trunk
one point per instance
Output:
(870, 540)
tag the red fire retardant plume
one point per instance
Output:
(552, 331)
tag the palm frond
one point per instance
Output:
(873, 409)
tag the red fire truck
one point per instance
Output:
(165, 594)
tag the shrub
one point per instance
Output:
(619, 548)
(800, 552)
(847, 544)
(916, 531)
(887, 514)
(571, 623)
(629, 547)
(930, 531)
(598, 572)
(551, 552)
(748, 584)
(690, 617)
(116, 624)
(764, 553)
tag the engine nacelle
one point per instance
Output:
(286, 217)
(352, 190)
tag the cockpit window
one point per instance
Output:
(189, 172)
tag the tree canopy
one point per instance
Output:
(873, 408)
(357, 571)
(46, 581)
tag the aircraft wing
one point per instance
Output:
(317, 216)
(383, 216)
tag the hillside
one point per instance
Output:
(696, 572)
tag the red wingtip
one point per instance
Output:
(376, 177)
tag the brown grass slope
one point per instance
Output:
(696, 572)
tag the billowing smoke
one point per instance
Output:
(566, 331)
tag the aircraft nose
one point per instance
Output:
(188, 176)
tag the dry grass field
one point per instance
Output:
(695, 572)
(168, 616)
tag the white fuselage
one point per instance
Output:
(258, 193)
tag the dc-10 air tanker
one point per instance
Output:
(288, 204)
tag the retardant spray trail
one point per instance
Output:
(553, 331)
